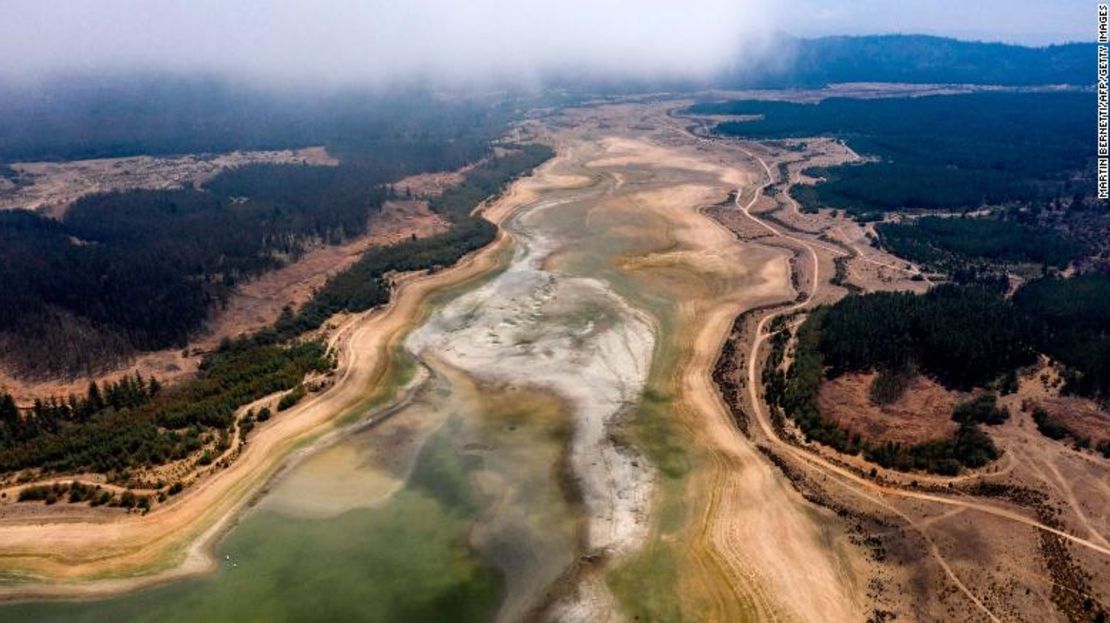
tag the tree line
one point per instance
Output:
(917, 59)
(970, 336)
(795, 395)
(365, 284)
(965, 337)
(396, 132)
(1068, 320)
(950, 243)
(136, 423)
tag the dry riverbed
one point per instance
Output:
(562, 378)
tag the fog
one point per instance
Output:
(380, 41)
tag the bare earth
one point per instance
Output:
(923, 413)
(50, 187)
(1083, 416)
(753, 549)
(1022, 539)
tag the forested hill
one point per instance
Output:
(143, 269)
(918, 59)
(134, 423)
(965, 337)
(950, 152)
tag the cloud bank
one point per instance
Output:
(380, 41)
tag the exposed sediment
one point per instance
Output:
(573, 336)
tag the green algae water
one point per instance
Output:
(452, 509)
(407, 560)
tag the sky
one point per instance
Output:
(468, 41)
(1026, 22)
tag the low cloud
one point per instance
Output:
(382, 41)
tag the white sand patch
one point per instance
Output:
(571, 335)
(591, 602)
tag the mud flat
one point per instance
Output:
(570, 335)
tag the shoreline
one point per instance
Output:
(91, 560)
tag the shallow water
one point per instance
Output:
(478, 484)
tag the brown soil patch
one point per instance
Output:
(923, 413)
(50, 187)
(258, 303)
(751, 550)
(427, 185)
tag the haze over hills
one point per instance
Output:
(101, 115)
(922, 59)
(597, 310)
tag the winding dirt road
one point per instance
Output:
(847, 479)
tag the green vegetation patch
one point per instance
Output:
(137, 425)
(966, 337)
(949, 242)
(1070, 322)
(795, 394)
(133, 423)
(143, 269)
(982, 409)
(962, 335)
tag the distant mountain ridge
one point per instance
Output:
(917, 59)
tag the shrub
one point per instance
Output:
(292, 397)
(1049, 426)
(982, 410)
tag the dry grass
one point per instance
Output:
(426, 185)
(923, 412)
